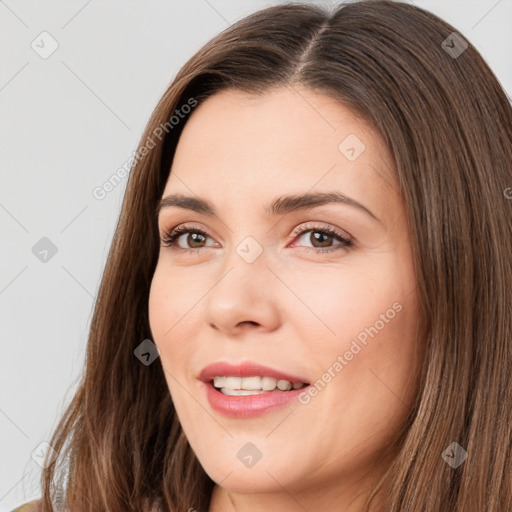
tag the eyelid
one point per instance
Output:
(319, 225)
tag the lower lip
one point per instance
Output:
(248, 406)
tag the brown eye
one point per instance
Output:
(321, 239)
(195, 239)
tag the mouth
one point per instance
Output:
(249, 389)
(246, 403)
(253, 385)
(247, 369)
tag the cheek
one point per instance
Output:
(169, 301)
(167, 319)
(344, 302)
(158, 307)
(365, 348)
(173, 333)
(174, 305)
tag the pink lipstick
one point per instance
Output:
(249, 389)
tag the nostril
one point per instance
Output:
(251, 322)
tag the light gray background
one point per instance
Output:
(67, 123)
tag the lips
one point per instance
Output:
(245, 407)
(246, 369)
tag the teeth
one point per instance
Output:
(268, 383)
(240, 392)
(252, 385)
(284, 385)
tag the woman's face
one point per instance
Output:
(275, 289)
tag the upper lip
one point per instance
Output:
(245, 369)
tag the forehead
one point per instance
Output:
(242, 147)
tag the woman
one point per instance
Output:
(307, 300)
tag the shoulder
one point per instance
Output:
(32, 506)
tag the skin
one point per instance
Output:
(291, 309)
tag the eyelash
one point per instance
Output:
(173, 234)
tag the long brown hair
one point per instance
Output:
(448, 124)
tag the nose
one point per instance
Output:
(245, 296)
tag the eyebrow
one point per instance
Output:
(279, 206)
